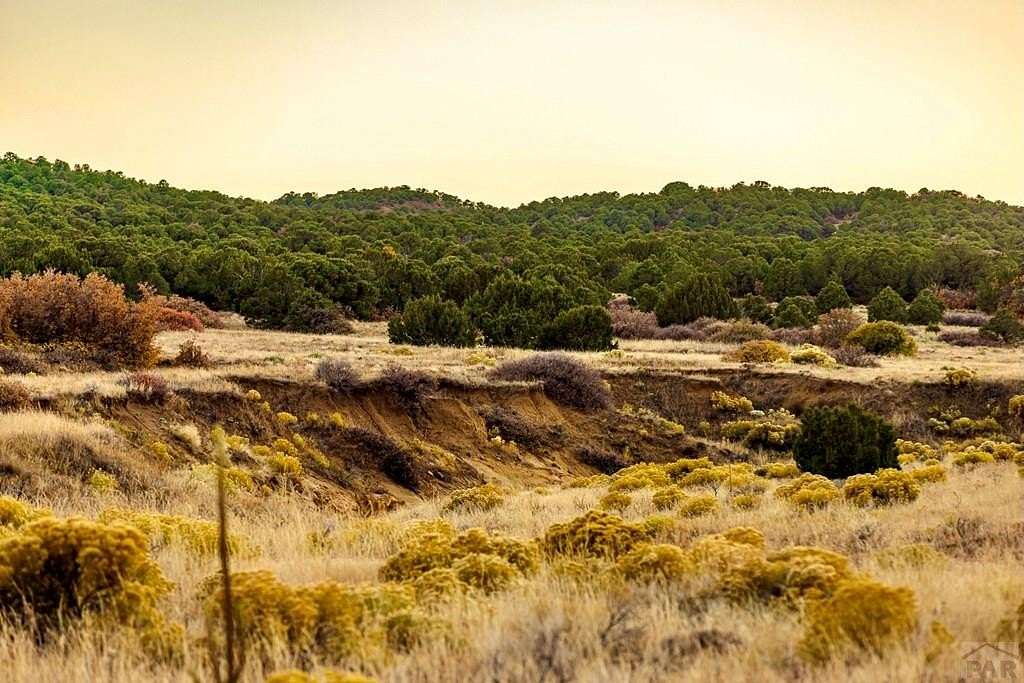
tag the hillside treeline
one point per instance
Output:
(303, 261)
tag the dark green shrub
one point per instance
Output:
(429, 321)
(842, 441)
(790, 313)
(756, 308)
(584, 328)
(884, 338)
(1004, 327)
(925, 309)
(699, 295)
(887, 305)
(832, 296)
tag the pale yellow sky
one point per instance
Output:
(507, 102)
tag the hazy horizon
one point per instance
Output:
(525, 102)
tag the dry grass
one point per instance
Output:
(545, 628)
(547, 624)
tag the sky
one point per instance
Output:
(508, 102)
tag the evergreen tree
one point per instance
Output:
(833, 295)
(925, 309)
(583, 328)
(783, 280)
(698, 295)
(887, 305)
(843, 441)
(756, 308)
(431, 320)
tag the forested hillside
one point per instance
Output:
(368, 252)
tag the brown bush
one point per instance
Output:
(191, 354)
(565, 379)
(511, 426)
(854, 357)
(19, 362)
(13, 395)
(338, 375)
(170, 320)
(410, 387)
(955, 298)
(967, 338)
(794, 336)
(632, 323)
(601, 460)
(833, 327)
(145, 387)
(738, 332)
(183, 304)
(394, 461)
(965, 318)
(53, 307)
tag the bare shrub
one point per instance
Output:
(606, 462)
(955, 298)
(967, 338)
(338, 375)
(632, 323)
(145, 387)
(410, 387)
(13, 395)
(680, 333)
(965, 318)
(794, 336)
(565, 379)
(738, 332)
(191, 354)
(53, 307)
(511, 426)
(854, 357)
(18, 362)
(835, 326)
(394, 461)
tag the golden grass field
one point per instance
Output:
(590, 621)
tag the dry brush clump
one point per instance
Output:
(565, 379)
(93, 311)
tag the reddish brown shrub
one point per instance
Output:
(835, 326)
(191, 354)
(183, 304)
(738, 332)
(145, 387)
(20, 362)
(170, 320)
(53, 307)
(565, 379)
(13, 395)
(955, 298)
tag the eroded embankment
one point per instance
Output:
(379, 448)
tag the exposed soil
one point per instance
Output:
(388, 452)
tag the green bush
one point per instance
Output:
(884, 338)
(1003, 327)
(584, 328)
(887, 305)
(832, 296)
(925, 309)
(791, 313)
(843, 441)
(432, 321)
(698, 296)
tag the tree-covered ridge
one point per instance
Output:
(289, 262)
